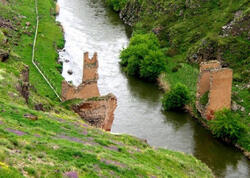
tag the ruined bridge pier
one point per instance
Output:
(95, 109)
(217, 81)
(88, 88)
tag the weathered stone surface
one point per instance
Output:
(220, 91)
(90, 68)
(218, 82)
(130, 13)
(85, 90)
(23, 85)
(239, 25)
(6, 23)
(99, 113)
(89, 87)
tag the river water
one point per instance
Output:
(89, 26)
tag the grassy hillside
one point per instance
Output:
(56, 142)
(193, 31)
(21, 31)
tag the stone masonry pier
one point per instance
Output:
(88, 88)
(95, 109)
(216, 82)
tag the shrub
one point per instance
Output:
(227, 125)
(176, 98)
(143, 57)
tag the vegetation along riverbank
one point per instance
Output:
(39, 136)
(188, 33)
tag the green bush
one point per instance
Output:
(176, 98)
(143, 57)
(116, 5)
(227, 125)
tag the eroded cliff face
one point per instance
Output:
(99, 112)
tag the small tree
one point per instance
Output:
(226, 125)
(143, 57)
(176, 98)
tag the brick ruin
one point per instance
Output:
(88, 88)
(95, 109)
(215, 82)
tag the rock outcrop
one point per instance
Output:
(23, 84)
(216, 83)
(99, 112)
(130, 14)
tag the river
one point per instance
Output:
(89, 26)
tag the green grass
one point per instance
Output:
(50, 38)
(187, 74)
(61, 142)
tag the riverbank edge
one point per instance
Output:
(191, 109)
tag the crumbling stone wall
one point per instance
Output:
(88, 87)
(218, 82)
(99, 112)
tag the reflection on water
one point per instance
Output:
(90, 27)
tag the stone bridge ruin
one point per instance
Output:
(95, 109)
(88, 88)
(213, 89)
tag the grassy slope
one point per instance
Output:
(49, 38)
(59, 141)
(186, 27)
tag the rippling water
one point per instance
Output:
(89, 26)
